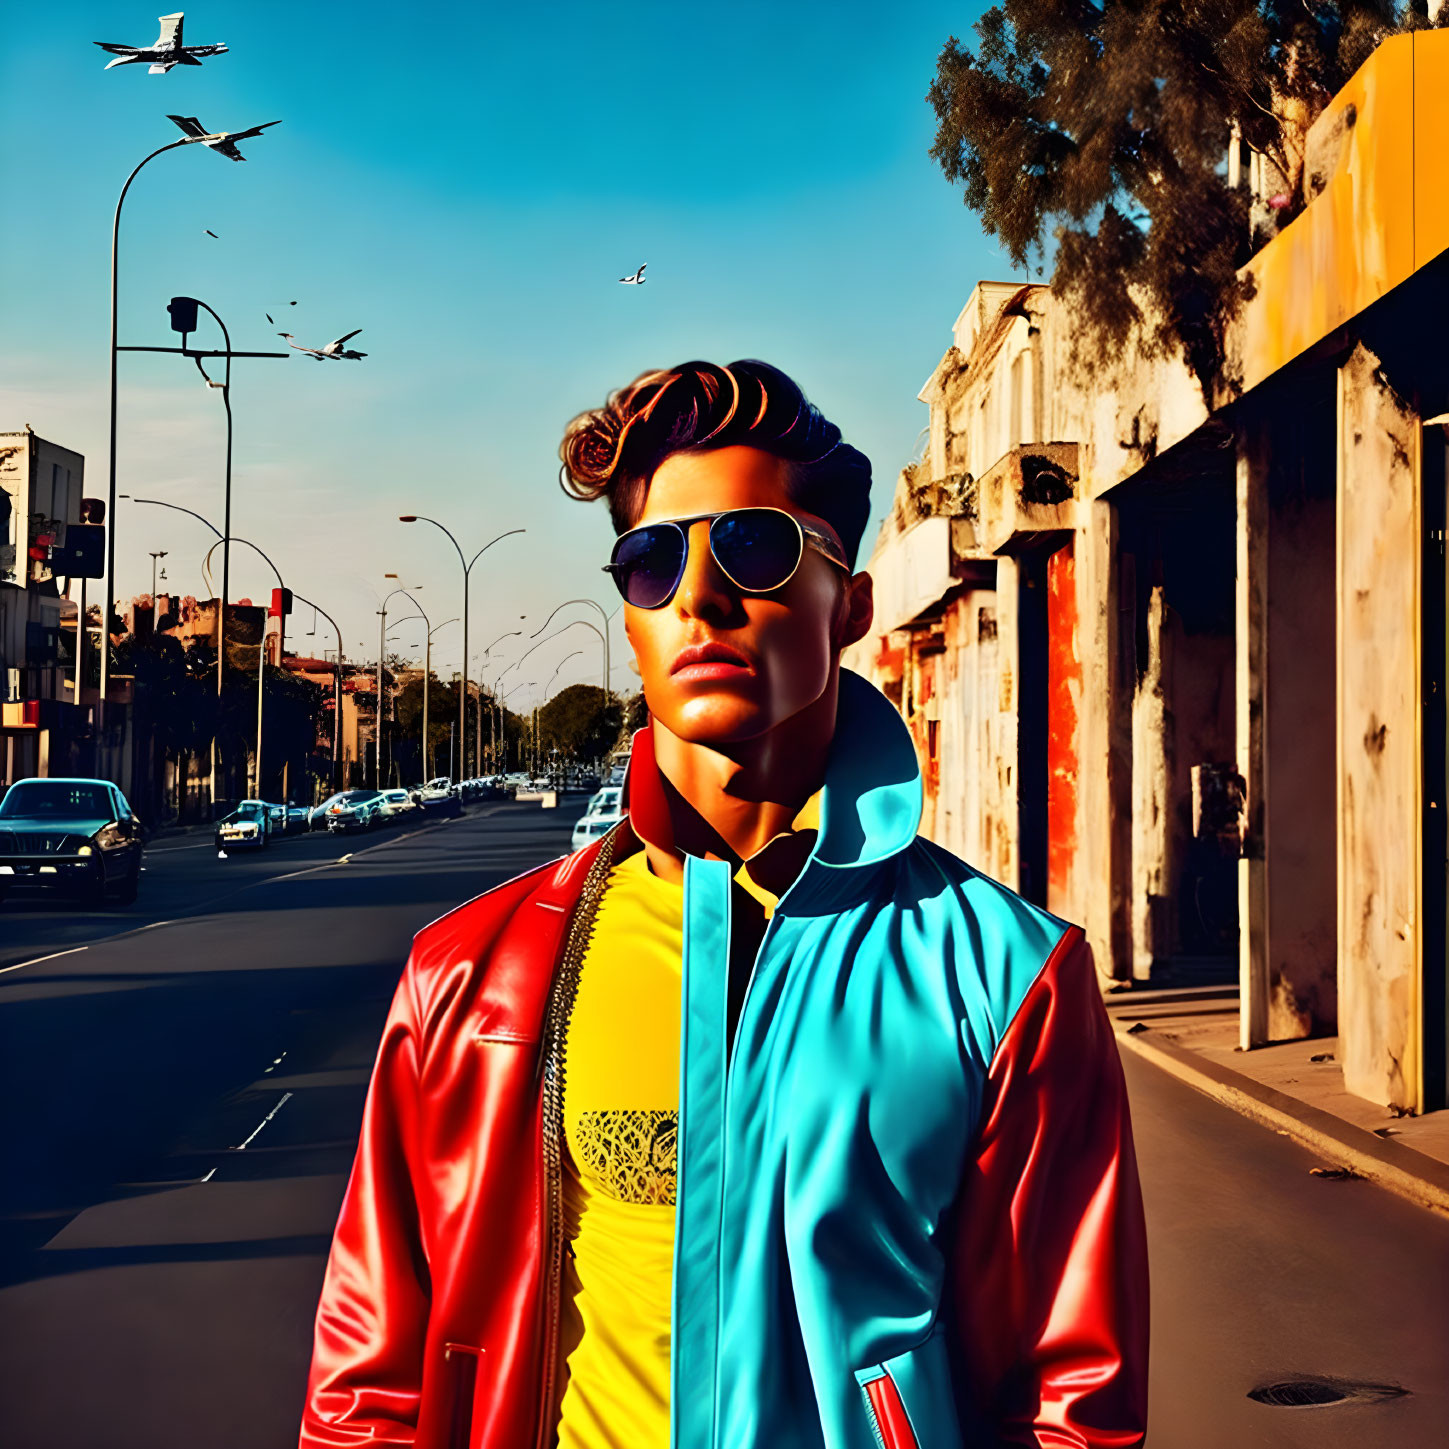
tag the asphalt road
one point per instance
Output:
(182, 1106)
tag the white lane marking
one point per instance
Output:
(286, 1097)
(294, 874)
(54, 956)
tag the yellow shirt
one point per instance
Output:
(621, 1100)
(621, 1105)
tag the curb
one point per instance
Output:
(1410, 1174)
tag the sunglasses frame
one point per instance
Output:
(810, 537)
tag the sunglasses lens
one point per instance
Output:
(647, 565)
(757, 547)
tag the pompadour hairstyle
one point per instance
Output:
(612, 452)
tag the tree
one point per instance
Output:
(1099, 129)
(581, 721)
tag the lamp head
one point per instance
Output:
(407, 518)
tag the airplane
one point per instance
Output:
(167, 51)
(223, 142)
(637, 280)
(334, 350)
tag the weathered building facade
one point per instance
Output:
(1175, 664)
(40, 495)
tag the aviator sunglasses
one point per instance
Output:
(757, 550)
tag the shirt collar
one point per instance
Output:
(868, 810)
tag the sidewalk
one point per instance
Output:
(1192, 1033)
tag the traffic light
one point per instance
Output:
(83, 554)
(93, 510)
(281, 603)
(183, 314)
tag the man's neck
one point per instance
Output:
(731, 802)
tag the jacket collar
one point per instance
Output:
(870, 807)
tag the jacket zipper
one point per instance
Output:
(562, 993)
(888, 1414)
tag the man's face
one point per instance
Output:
(782, 646)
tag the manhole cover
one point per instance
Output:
(1315, 1393)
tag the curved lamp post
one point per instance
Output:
(381, 650)
(529, 685)
(467, 574)
(604, 635)
(492, 708)
(111, 460)
(222, 543)
(427, 671)
(336, 694)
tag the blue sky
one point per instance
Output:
(466, 184)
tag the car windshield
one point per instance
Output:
(250, 811)
(57, 800)
(356, 797)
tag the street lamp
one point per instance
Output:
(547, 687)
(221, 539)
(427, 672)
(603, 635)
(183, 311)
(336, 695)
(222, 543)
(111, 460)
(381, 650)
(492, 704)
(467, 572)
(530, 685)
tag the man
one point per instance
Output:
(762, 1122)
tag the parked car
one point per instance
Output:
(249, 827)
(62, 834)
(317, 815)
(396, 803)
(436, 790)
(355, 810)
(298, 819)
(602, 815)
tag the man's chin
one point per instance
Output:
(717, 723)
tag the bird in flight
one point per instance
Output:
(335, 350)
(220, 141)
(637, 280)
(167, 51)
(210, 233)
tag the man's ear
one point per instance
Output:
(857, 610)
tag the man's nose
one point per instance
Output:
(703, 590)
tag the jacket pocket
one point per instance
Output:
(461, 1366)
(909, 1400)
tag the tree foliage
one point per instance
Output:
(1097, 130)
(581, 721)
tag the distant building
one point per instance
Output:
(40, 494)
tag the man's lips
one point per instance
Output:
(712, 660)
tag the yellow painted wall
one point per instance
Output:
(1383, 214)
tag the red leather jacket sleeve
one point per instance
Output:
(365, 1382)
(1050, 1268)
